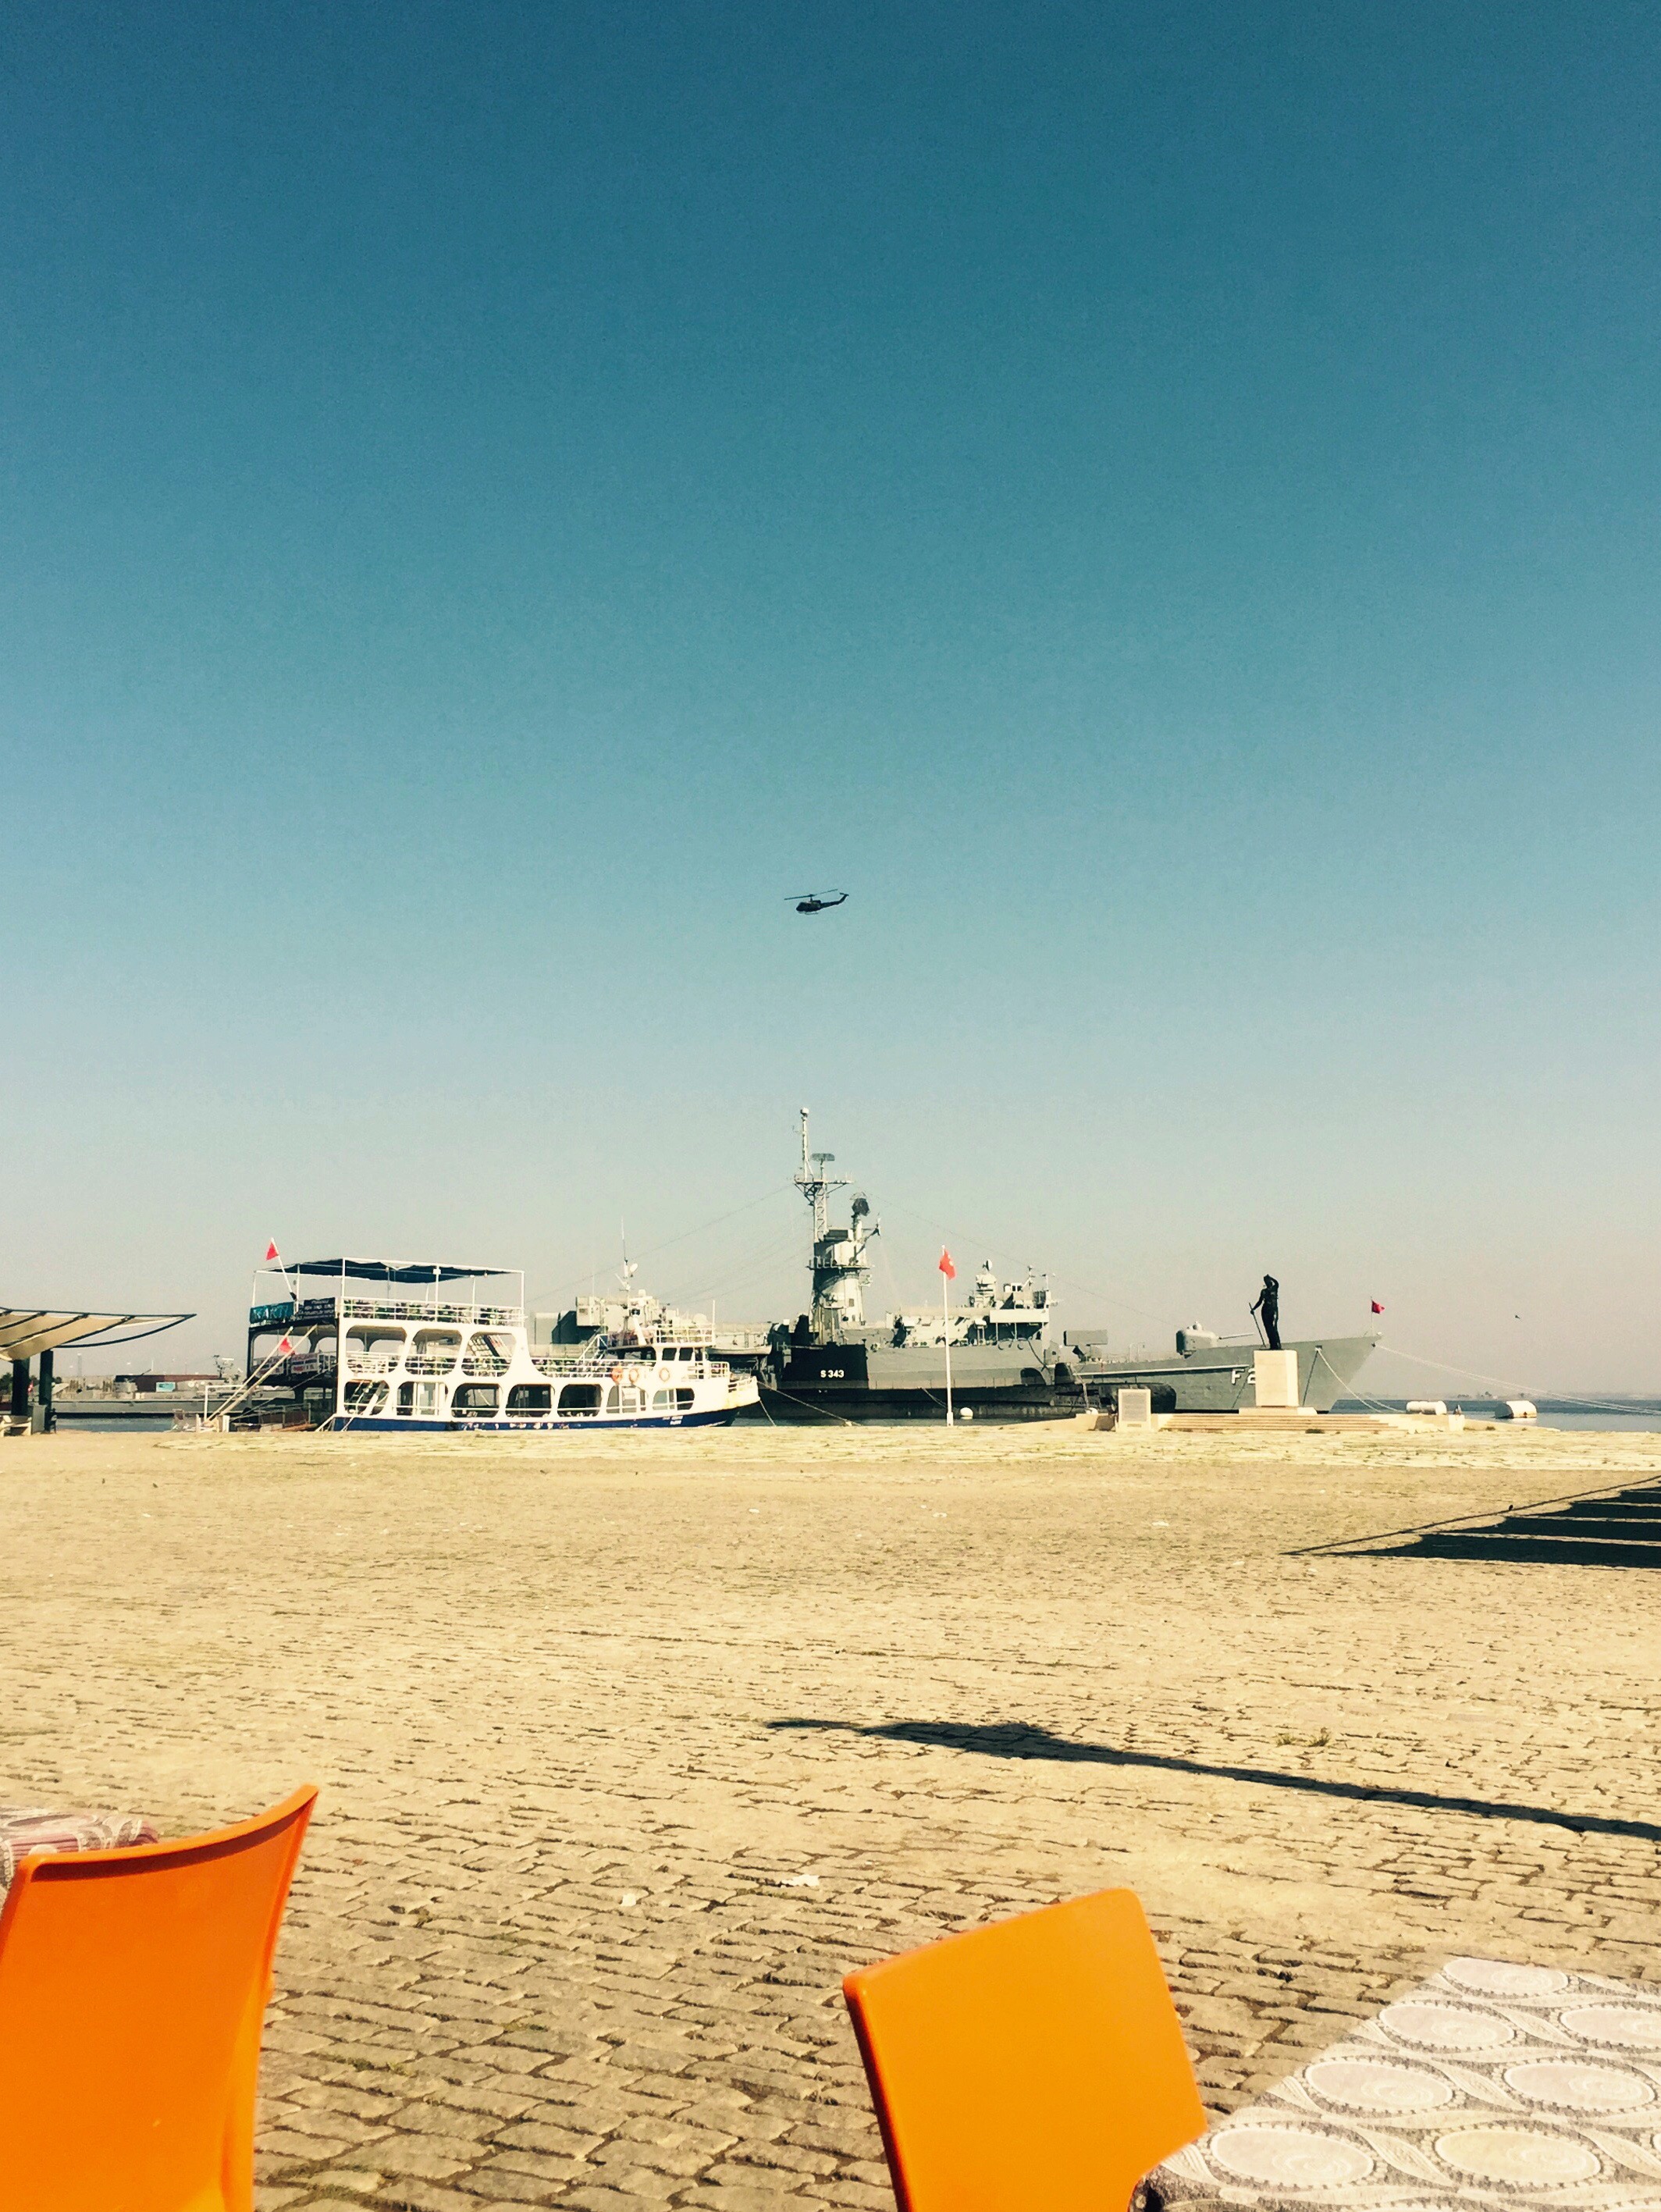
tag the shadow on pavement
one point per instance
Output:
(1015, 1740)
(1592, 1532)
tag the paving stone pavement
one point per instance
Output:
(630, 1747)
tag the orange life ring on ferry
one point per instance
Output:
(632, 1379)
(616, 1375)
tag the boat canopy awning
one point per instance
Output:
(386, 1271)
(26, 1330)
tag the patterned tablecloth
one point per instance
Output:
(1488, 2085)
(26, 1829)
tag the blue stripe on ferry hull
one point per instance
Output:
(394, 1425)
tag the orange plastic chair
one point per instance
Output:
(133, 1986)
(1036, 2063)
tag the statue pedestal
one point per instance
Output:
(1274, 1380)
(1135, 1409)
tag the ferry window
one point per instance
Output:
(661, 1400)
(474, 1398)
(684, 1401)
(688, 1352)
(580, 1398)
(530, 1398)
(406, 1397)
(365, 1397)
(374, 1349)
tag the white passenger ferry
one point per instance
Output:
(374, 1345)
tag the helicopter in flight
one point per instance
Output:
(817, 902)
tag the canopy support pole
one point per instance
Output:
(46, 1417)
(17, 1417)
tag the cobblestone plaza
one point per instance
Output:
(629, 1746)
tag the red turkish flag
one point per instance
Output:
(271, 1252)
(287, 1345)
(945, 1266)
(1377, 1308)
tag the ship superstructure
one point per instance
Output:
(629, 1315)
(993, 1312)
(838, 1266)
(1008, 1362)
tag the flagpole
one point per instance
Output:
(946, 1311)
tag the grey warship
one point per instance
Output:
(1007, 1363)
(1009, 1360)
(1210, 1374)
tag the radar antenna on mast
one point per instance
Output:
(838, 1266)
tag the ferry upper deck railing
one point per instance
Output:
(288, 1313)
(409, 1310)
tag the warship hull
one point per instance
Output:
(856, 1382)
(1218, 1379)
(901, 1383)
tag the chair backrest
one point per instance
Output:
(133, 1986)
(1038, 2062)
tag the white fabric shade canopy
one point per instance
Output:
(26, 1330)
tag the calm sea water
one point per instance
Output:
(1642, 1419)
(140, 1424)
(1604, 1421)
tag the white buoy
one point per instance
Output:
(1517, 1409)
(1428, 1405)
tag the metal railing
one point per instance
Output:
(284, 1312)
(294, 1365)
(597, 1366)
(409, 1310)
(476, 1365)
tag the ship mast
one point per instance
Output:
(838, 1265)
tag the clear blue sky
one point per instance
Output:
(1161, 504)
